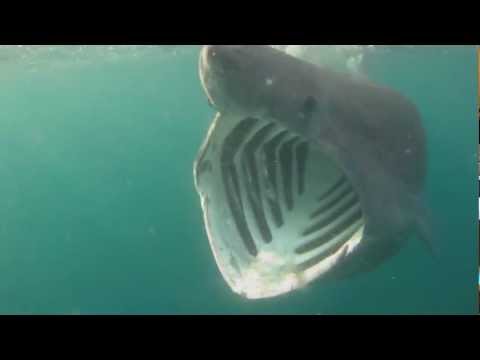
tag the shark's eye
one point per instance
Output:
(308, 107)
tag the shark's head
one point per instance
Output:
(243, 79)
(301, 169)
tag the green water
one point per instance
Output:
(99, 213)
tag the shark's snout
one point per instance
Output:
(212, 56)
(222, 58)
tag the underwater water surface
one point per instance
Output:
(100, 215)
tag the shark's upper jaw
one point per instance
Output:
(279, 213)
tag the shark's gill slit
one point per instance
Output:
(286, 163)
(334, 188)
(339, 211)
(253, 183)
(270, 156)
(231, 181)
(335, 197)
(301, 155)
(310, 263)
(338, 224)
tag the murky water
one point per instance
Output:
(100, 214)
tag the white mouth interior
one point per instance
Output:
(278, 212)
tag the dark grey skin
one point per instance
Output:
(373, 133)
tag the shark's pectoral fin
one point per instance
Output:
(424, 229)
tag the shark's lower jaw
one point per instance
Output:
(278, 212)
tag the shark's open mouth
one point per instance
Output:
(278, 212)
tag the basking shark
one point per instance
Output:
(305, 173)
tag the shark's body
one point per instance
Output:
(305, 173)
